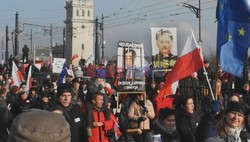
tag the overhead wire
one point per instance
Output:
(156, 9)
(153, 18)
(142, 17)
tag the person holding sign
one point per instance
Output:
(140, 113)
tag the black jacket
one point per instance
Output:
(186, 125)
(75, 117)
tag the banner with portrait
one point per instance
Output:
(164, 47)
(130, 66)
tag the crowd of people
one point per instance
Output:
(82, 110)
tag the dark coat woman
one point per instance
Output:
(186, 118)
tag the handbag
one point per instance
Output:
(134, 128)
(133, 124)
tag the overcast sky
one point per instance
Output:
(125, 20)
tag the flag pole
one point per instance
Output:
(216, 62)
(216, 68)
(208, 82)
(205, 73)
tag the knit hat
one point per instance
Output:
(236, 106)
(35, 126)
(62, 88)
(45, 94)
(75, 80)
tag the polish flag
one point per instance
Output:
(189, 61)
(29, 80)
(116, 129)
(73, 57)
(17, 76)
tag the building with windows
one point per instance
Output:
(79, 30)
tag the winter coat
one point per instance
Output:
(186, 125)
(98, 133)
(232, 136)
(166, 136)
(206, 128)
(39, 126)
(78, 73)
(4, 123)
(2, 102)
(11, 98)
(75, 117)
(136, 110)
(25, 50)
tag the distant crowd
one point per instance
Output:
(84, 108)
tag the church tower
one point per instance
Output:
(79, 30)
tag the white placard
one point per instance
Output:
(58, 64)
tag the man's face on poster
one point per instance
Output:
(164, 44)
(129, 59)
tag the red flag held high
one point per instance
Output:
(73, 57)
(189, 61)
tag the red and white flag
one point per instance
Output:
(73, 57)
(29, 80)
(116, 129)
(17, 76)
(189, 61)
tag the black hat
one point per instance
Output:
(45, 94)
(62, 88)
(236, 106)
(77, 79)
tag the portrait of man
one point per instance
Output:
(130, 61)
(129, 58)
(164, 43)
(130, 55)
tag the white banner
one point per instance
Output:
(58, 64)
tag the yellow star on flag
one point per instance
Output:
(241, 31)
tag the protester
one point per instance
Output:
(186, 118)
(52, 94)
(101, 120)
(34, 97)
(45, 102)
(229, 127)
(75, 88)
(206, 127)
(72, 112)
(140, 113)
(165, 127)
(25, 51)
(22, 104)
(245, 93)
(208, 70)
(4, 116)
(78, 72)
(12, 95)
(39, 126)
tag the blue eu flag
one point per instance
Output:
(233, 38)
(62, 75)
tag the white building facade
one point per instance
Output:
(79, 30)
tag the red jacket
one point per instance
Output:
(98, 133)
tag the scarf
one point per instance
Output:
(234, 135)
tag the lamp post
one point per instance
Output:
(197, 12)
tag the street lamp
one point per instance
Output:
(197, 12)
